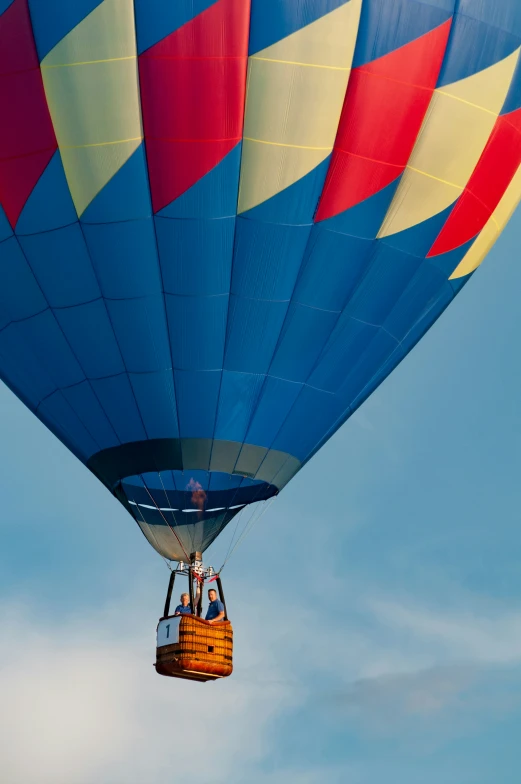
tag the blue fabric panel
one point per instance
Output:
(124, 257)
(53, 19)
(149, 480)
(275, 403)
(155, 396)
(168, 480)
(126, 196)
(237, 401)
(214, 195)
(21, 368)
(384, 281)
(4, 5)
(267, 259)
(419, 239)
(387, 367)
(155, 19)
(19, 290)
(219, 481)
(417, 332)
(332, 267)
(141, 333)
(386, 26)
(50, 204)
(503, 14)
(380, 349)
(366, 218)
(318, 410)
(457, 284)
(483, 33)
(305, 333)
(119, 404)
(85, 404)
(61, 265)
(5, 316)
(45, 337)
(418, 297)
(196, 255)
(297, 203)
(272, 20)
(253, 330)
(513, 99)
(91, 337)
(69, 428)
(197, 393)
(448, 262)
(5, 229)
(197, 331)
(351, 338)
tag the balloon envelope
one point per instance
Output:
(223, 223)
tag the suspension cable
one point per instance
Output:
(187, 557)
(252, 522)
(168, 564)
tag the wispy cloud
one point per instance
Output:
(417, 668)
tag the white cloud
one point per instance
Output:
(81, 703)
(478, 636)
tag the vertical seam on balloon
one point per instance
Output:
(246, 80)
(153, 219)
(158, 256)
(158, 260)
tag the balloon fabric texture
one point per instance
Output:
(223, 223)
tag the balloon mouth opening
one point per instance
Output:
(169, 494)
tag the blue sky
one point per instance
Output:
(376, 606)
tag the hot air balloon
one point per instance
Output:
(223, 223)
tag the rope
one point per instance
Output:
(248, 529)
(187, 557)
(153, 536)
(168, 502)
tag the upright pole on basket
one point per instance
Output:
(191, 589)
(166, 611)
(221, 595)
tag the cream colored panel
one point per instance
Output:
(323, 42)
(91, 84)
(106, 33)
(87, 169)
(303, 104)
(449, 146)
(267, 169)
(295, 93)
(492, 230)
(486, 89)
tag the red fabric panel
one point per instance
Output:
(27, 140)
(193, 87)
(490, 179)
(383, 112)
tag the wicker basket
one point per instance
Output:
(204, 651)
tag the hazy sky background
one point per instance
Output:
(376, 607)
